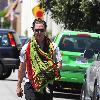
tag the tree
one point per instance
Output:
(83, 15)
(6, 23)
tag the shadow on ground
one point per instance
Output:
(10, 80)
(67, 96)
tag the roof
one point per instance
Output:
(78, 32)
(6, 30)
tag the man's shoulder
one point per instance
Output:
(25, 46)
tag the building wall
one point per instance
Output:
(52, 27)
(26, 17)
(18, 18)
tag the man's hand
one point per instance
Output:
(19, 91)
(59, 65)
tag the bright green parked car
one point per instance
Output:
(72, 45)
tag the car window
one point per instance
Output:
(4, 40)
(78, 43)
(23, 40)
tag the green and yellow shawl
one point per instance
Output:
(41, 71)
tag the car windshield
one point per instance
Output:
(79, 43)
(23, 39)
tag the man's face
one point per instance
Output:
(39, 31)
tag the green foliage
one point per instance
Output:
(75, 14)
(6, 23)
(3, 12)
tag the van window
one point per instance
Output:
(78, 44)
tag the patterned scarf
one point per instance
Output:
(41, 71)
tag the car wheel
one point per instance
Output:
(84, 94)
(95, 96)
(7, 73)
(1, 71)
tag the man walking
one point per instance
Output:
(40, 60)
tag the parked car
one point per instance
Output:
(23, 39)
(91, 86)
(72, 46)
(9, 52)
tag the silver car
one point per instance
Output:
(91, 86)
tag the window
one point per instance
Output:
(78, 44)
(4, 40)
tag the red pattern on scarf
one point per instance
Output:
(30, 71)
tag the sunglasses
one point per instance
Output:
(39, 30)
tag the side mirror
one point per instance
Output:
(88, 54)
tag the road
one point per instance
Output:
(8, 90)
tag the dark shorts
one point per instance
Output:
(31, 94)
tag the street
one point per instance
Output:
(8, 90)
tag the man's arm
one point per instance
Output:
(59, 65)
(21, 73)
(58, 58)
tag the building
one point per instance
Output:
(14, 15)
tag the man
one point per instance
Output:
(40, 60)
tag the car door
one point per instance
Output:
(92, 73)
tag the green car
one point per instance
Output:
(72, 45)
